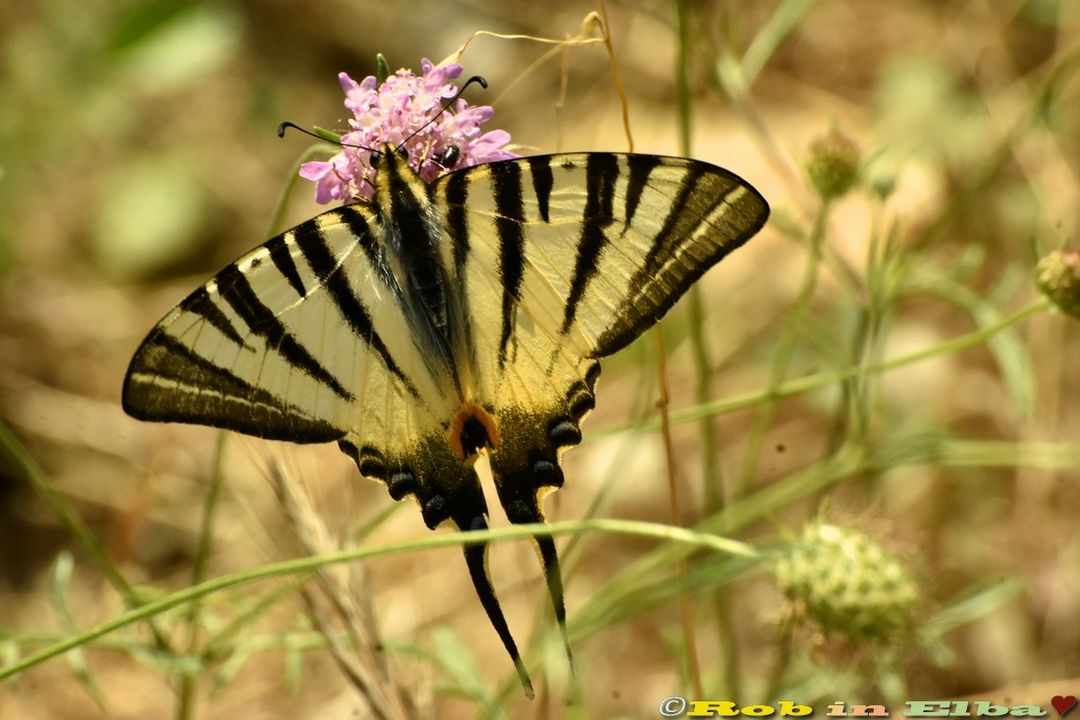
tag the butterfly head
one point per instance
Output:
(393, 174)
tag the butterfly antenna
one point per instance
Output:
(318, 136)
(479, 80)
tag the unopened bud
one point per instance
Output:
(833, 164)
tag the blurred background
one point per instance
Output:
(138, 156)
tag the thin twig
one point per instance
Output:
(816, 381)
(616, 79)
(701, 362)
(185, 706)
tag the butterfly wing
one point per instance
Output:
(303, 339)
(562, 260)
(553, 262)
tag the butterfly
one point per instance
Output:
(446, 319)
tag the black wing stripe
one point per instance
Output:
(235, 404)
(201, 304)
(315, 250)
(457, 194)
(281, 254)
(543, 181)
(510, 216)
(702, 191)
(457, 224)
(237, 291)
(601, 172)
(678, 207)
(641, 166)
(358, 226)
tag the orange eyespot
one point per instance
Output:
(471, 430)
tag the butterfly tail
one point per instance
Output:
(519, 495)
(449, 490)
(553, 575)
(476, 559)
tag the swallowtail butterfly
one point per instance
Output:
(444, 319)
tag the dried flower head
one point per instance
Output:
(833, 164)
(847, 582)
(392, 111)
(1058, 276)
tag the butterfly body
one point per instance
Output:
(448, 318)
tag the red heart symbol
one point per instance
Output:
(1063, 703)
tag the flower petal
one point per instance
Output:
(389, 112)
(314, 170)
(347, 83)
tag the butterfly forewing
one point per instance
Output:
(299, 340)
(567, 258)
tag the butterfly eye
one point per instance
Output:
(402, 152)
(376, 158)
(448, 157)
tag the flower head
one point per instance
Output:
(847, 582)
(392, 111)
(1058, 276)
(833, 164)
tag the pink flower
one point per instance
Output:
(391, 112)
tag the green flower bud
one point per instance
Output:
(382, 68)
(833, 164)
(847, 582)
(1058, 277)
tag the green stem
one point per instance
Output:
(656, 531)
(781, 660)
(712, 478)
(824, 379)
(218, 645)
(781, 23)
(185, 707)
(785, 351)
(282, 201)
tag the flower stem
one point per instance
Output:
(784, 352)
(314, 150)
(185, 707)
(819, 380)
(712, 480)
(189, 594)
